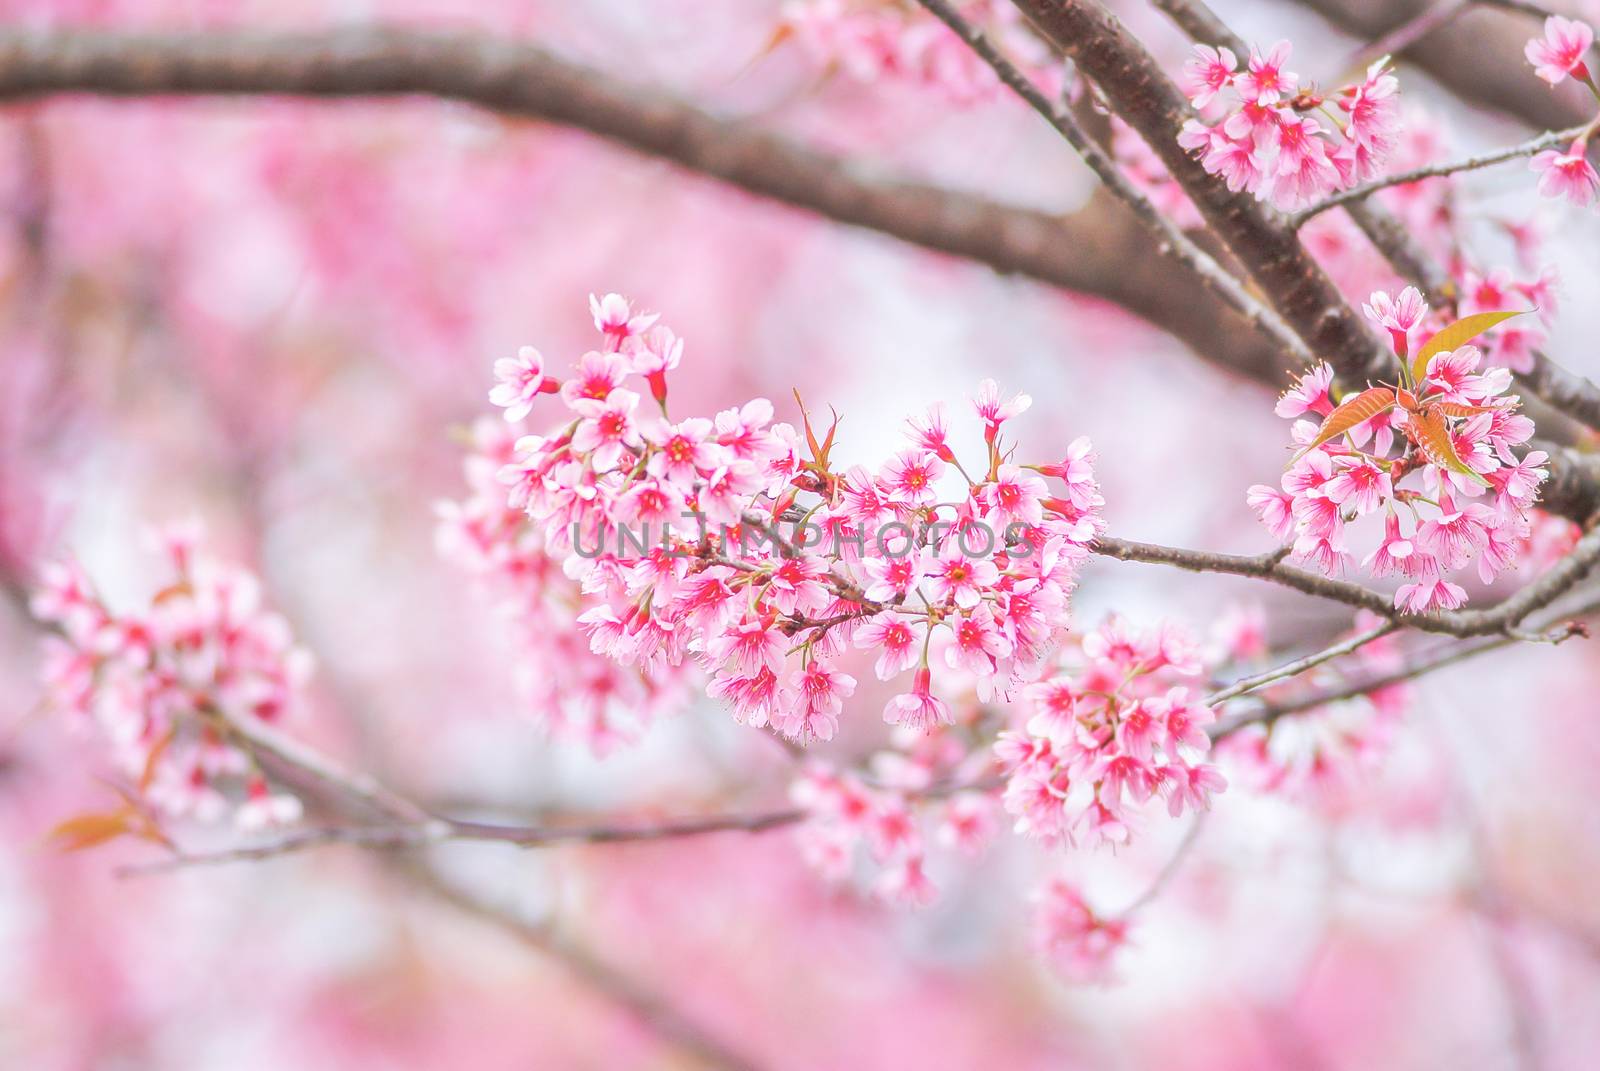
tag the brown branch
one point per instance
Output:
(1503, 618)
(1170, 241)
(523, 81)
(1258, 237)
(1549, 624)
(446, 830)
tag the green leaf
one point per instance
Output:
(1457, 335)
(1350, 413)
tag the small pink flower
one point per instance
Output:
(897, 641)
(1568, 174)
(893, 576)
(1374, 119)
(1393, 553)
(1265, 81)
(1429, 592)
(1560, 53)
(607, 427)
(1078, 943)
(977, 643)
(614, 318)
(912, 477)
(1308, 395)
(1017, 496)
(996, 412)
(522, 379)
(1207, 73)
(918, 708)
(1274, 508)
(1361, 485)
(955, 576)
(1398, 316)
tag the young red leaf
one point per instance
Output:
(1455, 336)
(1460, 409)
(1350, 413)
(1431, 433)
(88, 830)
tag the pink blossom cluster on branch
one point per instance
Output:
(1123, 727)
(574, 693)
(1433, 456)
(734, 544)
(872, 40)
(1268, 141)
(162, 684)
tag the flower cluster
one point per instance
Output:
(731, 542)
(1078, 943)
(872, 39)
(1270, 144)
(853, 819)
(163, 685)
(1118, 731)
(574, 693)
(1450, 433)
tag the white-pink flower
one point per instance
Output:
(522, 379)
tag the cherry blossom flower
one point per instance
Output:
(1336, 481)
(1567, 174)
(1562, 50)
(995, 412)
(522, 380)
(1268, 144)
(1207, 73)
(1398, 316)
(918, 708)
(1264, 81)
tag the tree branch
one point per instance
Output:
(1170, 240)
(1447, 654)
(1258, 237)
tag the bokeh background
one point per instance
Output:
(279, 317)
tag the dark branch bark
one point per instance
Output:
(1258, 237)
(1101, 251)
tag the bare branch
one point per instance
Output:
(443, 830)
(1300, 665)
(1503, 618)
(1551, 630)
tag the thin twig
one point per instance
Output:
(445, 830)
(1300, 665)
(1447, 654)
